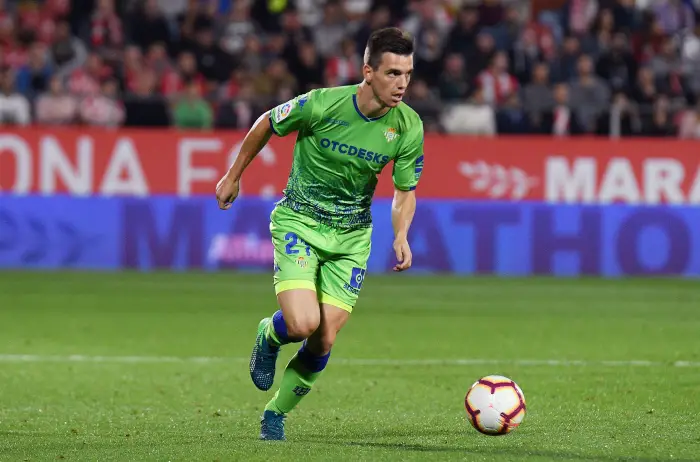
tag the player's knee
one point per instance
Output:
(303, 325)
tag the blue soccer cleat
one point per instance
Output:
(264, 359)
(272, 426)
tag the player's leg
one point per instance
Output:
(296, 265)
(339, 282)
(302, 371)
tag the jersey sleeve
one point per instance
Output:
(408, 165)
(293, 115)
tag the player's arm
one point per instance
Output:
(408, 168)
(281, 120)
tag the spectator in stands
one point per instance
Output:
(590, 96)
(495, 81)
(462, 35)
(690, 60)
(86, 80)
(525, 54)
(426, 104)
(56, 106)
(14, 106)
(148, 25)
(668, 69)
(172, 80)
(660, 124)
(236, 29)
(276, 77)
(67, 52)
(33, 78)
(617, 65)
(346, 67)
(145, 107)
(561, 120)
(474, 118)
(106, 33)
(689, 126)
(308, 69)
(329, 34)
(428, 57)
(538, 98)
(563, 67)
(674, 15)
(191, 110)
(103, 109)
(453, 84)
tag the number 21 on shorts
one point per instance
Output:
(292, 240)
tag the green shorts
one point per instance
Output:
(311, 255)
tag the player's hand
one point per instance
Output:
(403, 254)
(226, 192)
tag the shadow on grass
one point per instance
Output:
(495, 452)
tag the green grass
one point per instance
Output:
(51, 408)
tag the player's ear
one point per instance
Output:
(367, 72)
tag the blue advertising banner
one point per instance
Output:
(508, 239)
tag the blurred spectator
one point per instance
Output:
(86, 80)
(561, 119)
(426, 104)
(429, 56)
(674, 15)
(475, 118)
(56, 106)
(275, 77)
(144, 107)
(237, 28)
(103, 109)
(617, 65)
(660, 123)
(14, 107)
(495, 81)
(106, 34)
(308, 69)
(589, 95)
(329, 34)
(191, 110)
(33, 78)
(453, 84)
(344, 68)
(148, 25)
(172, 80)
(690, 124)
(564, 66)
(68, 52)
(538, 97)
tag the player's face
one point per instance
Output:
(390, 80)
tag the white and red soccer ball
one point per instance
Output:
(495, 405)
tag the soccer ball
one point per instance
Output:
(495, 405)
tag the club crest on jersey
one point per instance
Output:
(390, 134)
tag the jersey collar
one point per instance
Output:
(364, 117)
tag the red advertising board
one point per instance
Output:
(85, 161)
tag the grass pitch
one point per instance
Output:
(154, 367)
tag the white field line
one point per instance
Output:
(17, 358)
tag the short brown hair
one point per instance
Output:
(387, 40)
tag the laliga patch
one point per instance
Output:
(283, 111)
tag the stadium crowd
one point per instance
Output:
(559, 67)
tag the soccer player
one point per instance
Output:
(322, 226)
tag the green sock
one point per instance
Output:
(272, 336)
(296, 383)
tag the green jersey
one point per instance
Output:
(339, 154)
